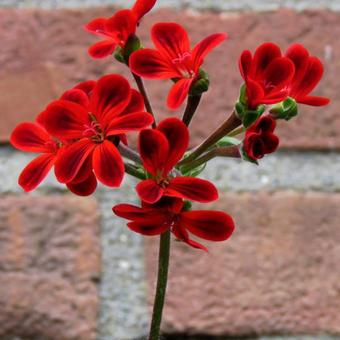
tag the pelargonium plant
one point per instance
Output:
(83, 135)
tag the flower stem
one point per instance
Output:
(129, 153)
(192, 105)
(229, 151)
(133, 171)
(229, 125)
(142, 90)
(163, 266)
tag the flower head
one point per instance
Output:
(260, 138)
(173, 58)
(308, 73)
(155, 219)
(161, 149)
(94, 128)
(267, 75)
(117, 30)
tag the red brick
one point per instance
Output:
(32, 38)
(49, 263)
(278, 274)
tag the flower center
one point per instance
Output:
(93, 131)
(183, 64)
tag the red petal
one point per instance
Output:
(65, 120)
(314, 101)
(194, 189)
(97, 26)
(151, 64)
(264, 124)
(311, 78)
(108, 164)
(255, 94)
(271, 142)
(177, 135)
(206, 46)
(141, 7)
(76, 96)
(136, 103)
(36, 171)
(253, 145)
(179, 93)
(121, 26)
(149, 191)
(30, 137)
(130, 122)
(154, 149)
(244, 64)
(85, 188)
(133, 213)
(278, 75)
(264, 55)
(299, 56)
(102, 49)
(148, 229)
(71, 159)
(170, 39)
(86, 86)
(209, 225)
(110, 97)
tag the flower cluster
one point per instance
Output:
(84, 134)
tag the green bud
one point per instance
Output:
(132, 45)
(187, 206)
(285, 110)
(201, 85)
(250, 117)
(118, 54)
(243, 95)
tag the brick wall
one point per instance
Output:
(70, 270)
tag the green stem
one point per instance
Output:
(133, 171)
(192, 105)
(129, 153)
(228, 151)
(237, 131)
(163, 266)
(142, 91)
(229, 125)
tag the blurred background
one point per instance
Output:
(70, 270)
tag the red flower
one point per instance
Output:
(308, 73)
(267, 75)
(260, 139)
(94, 129)
(117, 29)
(168, 214)
(160, 150)
(173, 58)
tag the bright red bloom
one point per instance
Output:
(267, 75)
(161, 149)
(260, 138)
(168, 214)
(117, 29)
(173, 58)
(94, 130)
(308, 73)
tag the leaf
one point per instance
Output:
(228, 141)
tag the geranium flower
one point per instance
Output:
(160, 150)
(173, 58)
(168, 214)
(94, 130)
(260, 138)
(267, 75)
(118, 29)
(308, 73)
